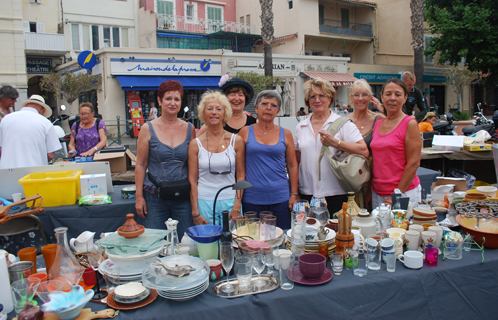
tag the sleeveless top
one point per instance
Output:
(266, 171)
(166, 163)
(389, 158)
(249, 120)
(208, 183)
(368, 137)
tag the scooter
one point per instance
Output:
(480, 123)
(446, 128)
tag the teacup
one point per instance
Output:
(412, 259)
(311, 233)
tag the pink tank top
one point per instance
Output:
(389, 158)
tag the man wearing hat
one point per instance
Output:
(8, 97)
(426, 124)
(27, 137)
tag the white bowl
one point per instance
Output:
(135, 264)
(490, 191)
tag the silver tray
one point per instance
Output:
(272, 283)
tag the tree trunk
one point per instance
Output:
(417, 20)
(418, 66)
(267, 34)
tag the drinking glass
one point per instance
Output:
(112, 277)
(253, 224)
(48, 286)
(286, 270)
(269, 225)
(242, 226)
(318, 202)
(258, 264)
(360, 263)
(28, 254)
(226, 257)
(94, 255)
(321, 214)
(23, 291)
(270, 260)
(243, 270)
(263, 229)
(302, 206)
(337, 263)
(72, 275)
(467, 242)
(250, 214)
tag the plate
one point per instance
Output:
(105, 268)
(139, 298)
(299, 278)
(330, 236)
(121, 306)
(130, 290)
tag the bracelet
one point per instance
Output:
(96, 149)
(193, 217)
(339, 143)
(295, 194)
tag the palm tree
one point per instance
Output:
(267, 34)
(417, 19)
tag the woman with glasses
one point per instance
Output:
(364, 119)
(162, 152)
(88, 135)
(270, 157)
(311, 135)
(216, 160)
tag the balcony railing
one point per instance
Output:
(181, 23)
(44, 41)
(346, 28)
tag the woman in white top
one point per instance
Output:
(311, 134)
(215, 160)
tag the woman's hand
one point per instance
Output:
(328, 140)
(293, 199)
(235, 213)
(378, 105)
(89, 153)
(140, 206)
(199, 220)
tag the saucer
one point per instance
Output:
(139, 298)
(299, 278)
(119, 306)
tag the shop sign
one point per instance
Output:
(276, 66)
(165, 67)
(35, 65)
(377, 77)
(434, 79)
(320, 67)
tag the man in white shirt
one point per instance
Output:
(27, 137)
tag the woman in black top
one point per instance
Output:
(239, 94)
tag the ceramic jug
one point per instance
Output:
(80, 244)
(367, 223)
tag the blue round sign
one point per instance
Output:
(205, 65)
(87, 59)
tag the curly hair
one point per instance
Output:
(311, 84)
(218, 97)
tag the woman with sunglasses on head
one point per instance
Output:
(88, 135)
(216, 160)
(270, 157)
(364, 119)
(311, 135)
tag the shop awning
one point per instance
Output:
(153, 82)
(337, 79)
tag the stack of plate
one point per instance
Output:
(178, 288)
(131, 292)
(312, 245)
(108, 269)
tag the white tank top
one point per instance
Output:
(208, 183)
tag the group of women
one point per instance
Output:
(282, 168)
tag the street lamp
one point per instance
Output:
(240, 185)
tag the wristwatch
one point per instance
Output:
(96, 149)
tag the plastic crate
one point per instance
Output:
(57, 188)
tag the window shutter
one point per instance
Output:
(40, 27)
(25, 26)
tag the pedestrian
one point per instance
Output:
(8, 97)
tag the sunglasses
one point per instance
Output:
(218, 172)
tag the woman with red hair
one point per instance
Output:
(162, 153)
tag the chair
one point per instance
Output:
(21, 225)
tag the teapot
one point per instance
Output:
(82, 242)
(367, 223)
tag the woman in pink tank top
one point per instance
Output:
(396, 147)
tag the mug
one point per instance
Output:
(412, 259)
(412, 239)
(429, 237)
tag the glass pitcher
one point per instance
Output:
(385, 216)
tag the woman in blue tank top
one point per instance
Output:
(271, 165)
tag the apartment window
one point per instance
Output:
(115, 37)
(86, 37)
(427, 42)
(215, 18)
(290, 4)
(107, 37)
(242, 20)
(248, 19)
(189, 11)
(95, 38)
(321, 14)
(124, 38)
(165, 7)
(32, 27)
(345, 18)
(75, 36)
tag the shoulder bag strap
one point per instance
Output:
(333, 129)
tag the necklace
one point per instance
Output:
(222, 139)
(274, 126)
(178, 122)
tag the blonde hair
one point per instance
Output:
(86, 104)
(221, 99)
(408, 74)
(311, 84)
(361, 85)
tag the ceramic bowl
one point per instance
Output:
(68, 305)
(490, 191)
(130, 290)
(136, 263)
(206, 233)
(312, 265)
(423, 212)
(420, 220)
(488, 230)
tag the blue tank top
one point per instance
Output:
(266, 171)
(166, 163)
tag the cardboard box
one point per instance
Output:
(460, 185)
(117, 160)
(448, 143)
(93, 184)
(477, 147)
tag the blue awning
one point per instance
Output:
(153, 82)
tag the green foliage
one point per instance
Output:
(465, 31)
(458, 79)
(259, 82)
(71, 86)
(462, 116)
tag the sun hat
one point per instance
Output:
(429, 114)
(240, 83)
(40, 101)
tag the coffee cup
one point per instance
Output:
(311, 233)
(412, 259)
(429, 237)
(412, 238)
